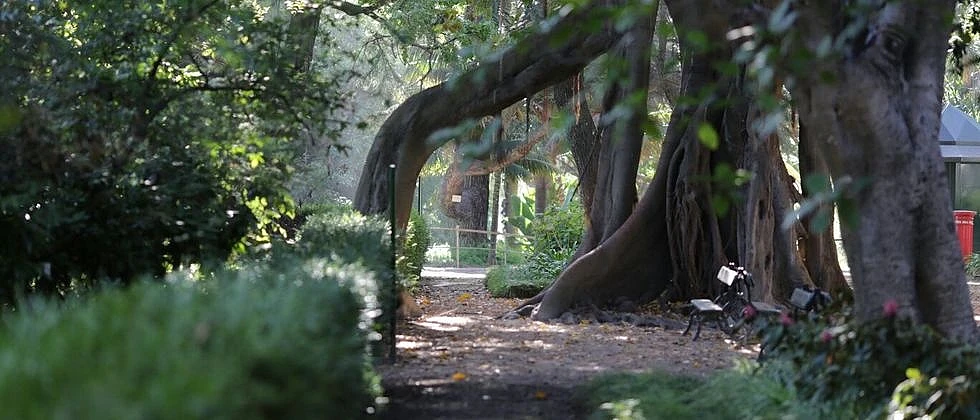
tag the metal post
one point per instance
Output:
(457, 245)
(393, 304)
(505, 248)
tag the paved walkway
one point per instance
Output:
(476, 273)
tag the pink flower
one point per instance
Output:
(785, 319)
(826, 336)
(890, 308)
(749, 312)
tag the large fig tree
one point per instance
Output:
(866, 79)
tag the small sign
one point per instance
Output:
(457, 198)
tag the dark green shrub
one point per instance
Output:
(248, 344)
(126, 149)
(343, 233)
(558, 232)
(349, 236)
(412, 251)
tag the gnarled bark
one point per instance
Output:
(674, 237)
(880, 112)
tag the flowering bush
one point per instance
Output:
(856, 367)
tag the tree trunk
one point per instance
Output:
(615, 193)
(877, 117)
(470, 212)
(819, 245)
(405, 137)
(675, 236)
(583, 140)
(495, 179)
(303, 28)
(542, 183)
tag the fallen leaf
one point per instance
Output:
(464, 297)
(540, 395)
(459, 376)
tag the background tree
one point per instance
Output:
(141, 137)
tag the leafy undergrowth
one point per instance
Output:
(519, 281)
(734, 394)
(815, 367)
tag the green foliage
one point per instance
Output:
(920, 397)
(473, 257)
(516, 281)
(286, 335)
(346, 235)
(735, 394)
(973, 265)
(253, 343)
(855, 367)
(138, 137)
(411, 257)
(814, 369)
(558, 232)
(556, 235)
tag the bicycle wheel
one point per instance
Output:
(732, 318)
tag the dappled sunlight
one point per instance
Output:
(444, 323)
(537, 344)
(408, 342)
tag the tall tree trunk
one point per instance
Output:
(510, 191)
(470, 212)
(674, 236)
(615, 193)
(819, 245)
(303, 29)
(542, 184)
(495, 179)
(473, 210)
(877, 118)
(583, 140)
(769, 252)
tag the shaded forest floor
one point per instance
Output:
(458, 361)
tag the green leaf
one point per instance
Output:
(708, 136)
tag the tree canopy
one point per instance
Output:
(145, 135)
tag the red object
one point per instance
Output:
(964, 230)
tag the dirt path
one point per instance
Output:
(459, 362)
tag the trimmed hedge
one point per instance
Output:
(284, 336)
